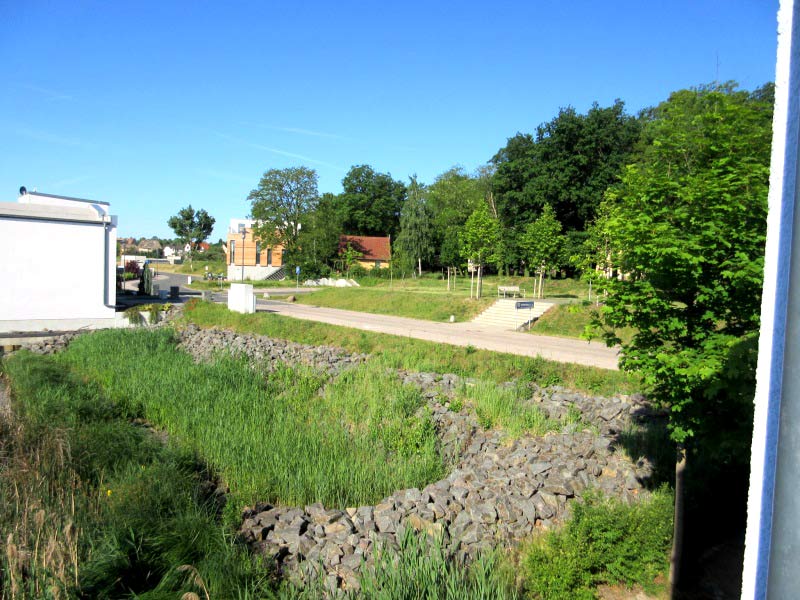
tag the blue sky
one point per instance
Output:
(156, 105)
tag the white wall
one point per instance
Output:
(255, 273)
(54, 270)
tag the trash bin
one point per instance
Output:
(173, 291)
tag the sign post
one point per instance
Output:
(525, 305)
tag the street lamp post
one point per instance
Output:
(243, 231)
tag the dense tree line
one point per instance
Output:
(544, 195)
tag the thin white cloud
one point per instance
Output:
(48, 93)
(46, 136)
(280, 152)
(300, 131)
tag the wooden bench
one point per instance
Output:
(510, 290)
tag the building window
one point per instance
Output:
(377, 264)
(258, 253)
(269, 257)
(233, 251)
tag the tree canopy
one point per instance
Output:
(568, 164)
(688, 226)
(192, 227)
(371, 202)
(280, 204)
(416, 238)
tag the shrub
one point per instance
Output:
(132, 268)
(606, 541)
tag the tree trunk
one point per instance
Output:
(471, 282)
(677, 525)
(479, 289)
(419, 265)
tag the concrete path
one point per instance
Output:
(594, 354)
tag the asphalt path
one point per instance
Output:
(568, 350)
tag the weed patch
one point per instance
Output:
(604, 542)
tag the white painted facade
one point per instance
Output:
(57, 264)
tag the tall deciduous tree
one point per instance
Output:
(371, 202)
(541, 243)
(319, 237)
(280, 203)
(415, 238)
(568, 164)
(191, 227)
(689, 221)
(480, 239)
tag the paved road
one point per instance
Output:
(580, 352)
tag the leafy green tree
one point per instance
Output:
(689, 222)
(191, 227)
(452, 198)
(480, 239)
(371, 202)
(319, 237)
(568, 164)
(280, 204)
(542, 242)
(416, 237)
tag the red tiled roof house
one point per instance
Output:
(376, 252)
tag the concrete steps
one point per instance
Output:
(504, 315)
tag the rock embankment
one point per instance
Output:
(203, 344)
(498, 490)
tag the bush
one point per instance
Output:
(132, 268)
(604, 542)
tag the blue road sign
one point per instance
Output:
(524, 305)
(297, 270)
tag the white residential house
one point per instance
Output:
(57, 263)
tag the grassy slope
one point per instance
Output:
(273, 437)
(402, 303)
(570, 320)
(418, 355)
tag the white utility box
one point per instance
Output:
(241, 298)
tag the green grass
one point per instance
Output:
(504, 407)
(273, 437)
(605, 542)
(435, 283)
(401, 303)
(571, 320)
(418, 355)
(93, 506)
(202, 284)
(196, 267)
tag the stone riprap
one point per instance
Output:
(498, 490)
(49, 345)
(497, 493)
(268, 352)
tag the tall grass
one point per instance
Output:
(94, 506)
(421, 569)
(418, 355)
(505, 407)
(278, 436)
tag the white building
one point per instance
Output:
(57, 263)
